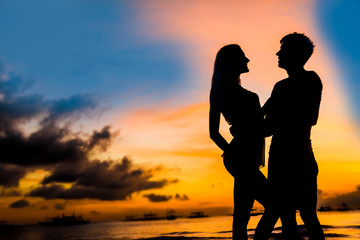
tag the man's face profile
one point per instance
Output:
(284, 56)
(289, 57)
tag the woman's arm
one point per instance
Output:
(214, 124)
(267, 120)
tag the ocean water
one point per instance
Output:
(337, 225)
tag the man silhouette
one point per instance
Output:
(290, 113)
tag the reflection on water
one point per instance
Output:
(337, 225)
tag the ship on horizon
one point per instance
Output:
(197, 215)
(64, 221)
(170, 215)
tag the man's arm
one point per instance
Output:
(268, 112)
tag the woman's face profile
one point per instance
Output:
(243, 61)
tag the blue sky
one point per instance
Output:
(339, 23)
(76, 47)
(69, 47)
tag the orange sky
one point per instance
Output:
(173, 134)
(178, 135)
(257, 26)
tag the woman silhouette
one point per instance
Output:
(245, 153)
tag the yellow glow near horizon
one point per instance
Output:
(174, 134)
(258, 27)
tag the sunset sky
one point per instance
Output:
(104, 104)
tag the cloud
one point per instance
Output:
(70, 107)
(10, 175)
(6, 192)
(352, 199)
(50, 144)
(157, 198)
(184, 197)
(103, 180)
(20, 204)
(18, 107)
(102, 138)
(94, 212)
(60, 206)
(12, 84)
(15, 110)
(47, 146)
(55, 147)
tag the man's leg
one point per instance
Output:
(266, 225)
(289, 224)
(307, 208)
(312, 224)
(286, 193)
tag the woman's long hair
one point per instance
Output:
(226, 73)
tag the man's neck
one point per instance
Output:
(293, 72)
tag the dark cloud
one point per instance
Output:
(60, 206)
(102, 138)
(50, 144)
(11, 174)
(71, 107)
(157, 198)
(19, 110)
(47, 146)
(103, 180)
(57, 149)
(184, 197)
(63, 173)
(20, 204)
(12, 84)
(16, 106)
(94, 212)
(352, 199)
(43, 207)
(8, 192)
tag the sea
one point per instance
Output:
(336, 225)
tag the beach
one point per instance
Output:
(337, 225)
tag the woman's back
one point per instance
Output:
(242, 111)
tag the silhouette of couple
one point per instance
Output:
(287, 116)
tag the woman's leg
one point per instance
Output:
(243, 202)
(261, 189)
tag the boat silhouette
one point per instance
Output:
(343, 207)
(325, 209)
(197, 215)
(64, 221)
(146, 217)
(170, 215)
